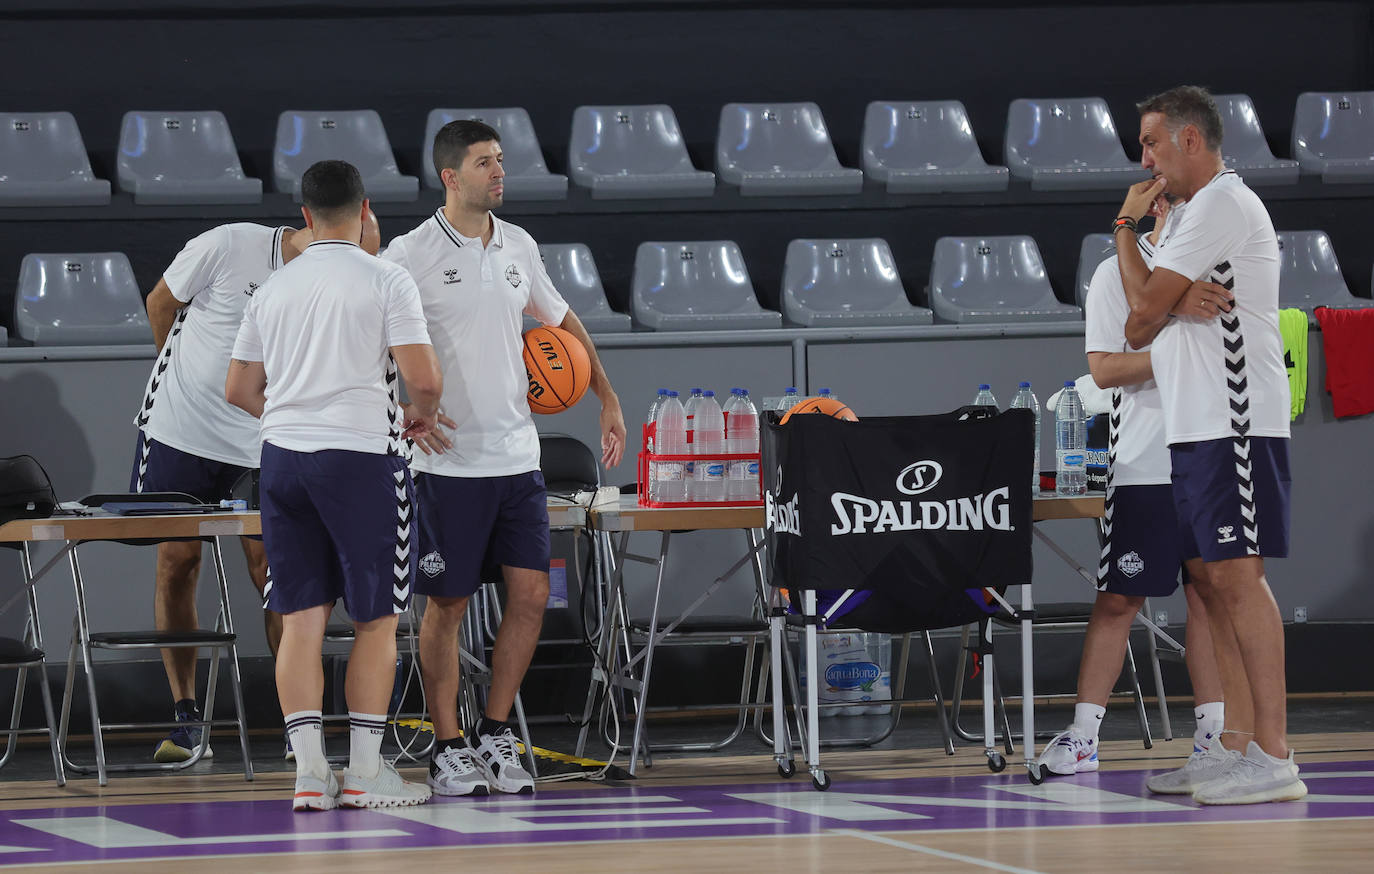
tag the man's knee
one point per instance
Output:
(527, 591)
(1113, 606)
(178, 564)
(444, 614)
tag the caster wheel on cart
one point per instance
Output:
(786, 769)
(1036, 774)
(996, 763)
(820, 780)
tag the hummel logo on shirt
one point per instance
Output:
(1226, 534)
(252, 287)
(451, 276)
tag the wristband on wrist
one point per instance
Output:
(1124, 221)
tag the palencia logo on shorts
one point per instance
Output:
(857, 514)
(433, 564)
(1226, 534)
(782, 518)
(1130, 564)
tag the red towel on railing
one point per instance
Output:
(1348, 340)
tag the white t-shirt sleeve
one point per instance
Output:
(405, 318)
(545, 304)
(194, 267)
(395, 253)
(248, 343)
(1213, 226)
(1105, 310)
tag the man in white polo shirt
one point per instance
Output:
(316, 360)
(1224, 392)
(1141, 554)
(189, 439)
(482, 498)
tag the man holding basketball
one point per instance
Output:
(480, 492)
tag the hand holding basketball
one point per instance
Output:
(558, 368)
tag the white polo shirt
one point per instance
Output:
(323, 327)
(473, 299)
(1224, 376)
(214, 275)
(1142, 454)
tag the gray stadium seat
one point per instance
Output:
(697, 286)
(182, 157)
(1244, 147)
(993, 279)
(86, 299)
(780, 148)
(43, 162)
(574, 274)
(355, 136)
(925, 147)
(1095, 249)
(845, 283)
(1069, 143)
(633, 152)
(1309, 274)
(4, 337)
(527, 176)
(1333, 134)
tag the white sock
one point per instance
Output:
(306, 732)
(1211, 717)
(365, 732)
(1087, 719)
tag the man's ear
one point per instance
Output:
(309, 219)
(449, 177)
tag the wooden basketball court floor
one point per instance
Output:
(887, 810)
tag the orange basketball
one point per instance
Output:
(558, 369)
(824, 406)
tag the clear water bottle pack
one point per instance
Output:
(710, 457)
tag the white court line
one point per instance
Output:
(944, 854)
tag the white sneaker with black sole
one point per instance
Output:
(1203, 766)
(499, 759)
(316, 793)
(455, 771)
(1069, 753)
(386, 788)
(1255, 778)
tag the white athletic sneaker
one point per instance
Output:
(1253, 779)
(290, 753)
(316, 793)
(454, 771)
(386, 788)
(1202, 766)
(498, 758)
(1069, 753)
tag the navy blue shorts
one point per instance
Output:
(160, 468)
(338, 524)
(469, 525)
(1232, 496)
(1142, 551)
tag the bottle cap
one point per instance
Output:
(791, 389)
(823, 392)
(663, 391)
(1068, 383)
(708, 394)
(983, 386)
(672, 394)
(1025, 384)
(696, 391)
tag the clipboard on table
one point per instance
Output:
(158, 508)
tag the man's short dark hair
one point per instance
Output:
(1184, 105)
(332, 188)
(453, 139)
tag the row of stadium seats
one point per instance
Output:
(640, 152)
(93, 299)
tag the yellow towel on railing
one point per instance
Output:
(1293, 327)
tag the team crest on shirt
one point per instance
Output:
(451, 276)
(433, 564)
(252, 287)
(1130, 564)
(513, 276)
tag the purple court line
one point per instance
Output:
(777, 808)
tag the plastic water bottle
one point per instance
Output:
(1070, 443)
(654, 408)
(790, 398)
(651, 421)
(690, 407)
(826, 394)
(742, 437)
(708, 484)
(671, 435)
(984, 397)
(1025, 400)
